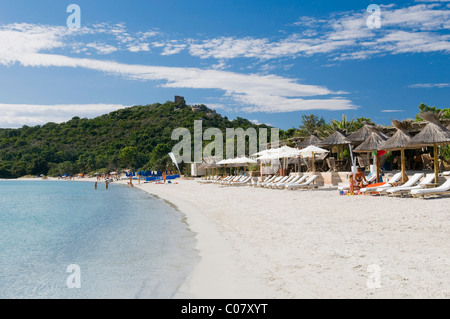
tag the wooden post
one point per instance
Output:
(402, 154)
(436, 164)
(378, 167)
(313, 164)
(261, 171)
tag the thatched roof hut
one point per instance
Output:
(363, 133)
(310, 140)
(433, 133)
(373, 142)
(337, 138)
(399, 141)
(401, 138)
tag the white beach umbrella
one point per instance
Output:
(265, 152)
(281, 152)
(224, 161)
(310, 151)
(244, 160)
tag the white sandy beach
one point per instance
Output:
(266, 243)
(263, 243)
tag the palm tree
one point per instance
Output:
(343, 125)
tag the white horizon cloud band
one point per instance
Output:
(392, 111)
(17, 115)
(268, 93)
(429, 85)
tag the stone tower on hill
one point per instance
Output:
(179, 99)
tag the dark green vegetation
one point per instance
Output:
(138, 137)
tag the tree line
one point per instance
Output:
(137, 138)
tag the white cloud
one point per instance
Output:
(172, 48)
(268, 93)
(256, 122)
(17, 115)
(432, 0)
(412, 29)
(392, 111)
(429, 85)
(102, 48)
(141, 47)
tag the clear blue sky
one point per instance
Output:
(268, 61)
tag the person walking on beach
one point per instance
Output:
(164, 175)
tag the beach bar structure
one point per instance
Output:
(337, 139)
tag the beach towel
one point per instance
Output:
(376, 185)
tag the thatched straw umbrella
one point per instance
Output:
(310, 140)
(433, 134)
(399, 141)
(338, 139)
(372, 143)
(363, 133)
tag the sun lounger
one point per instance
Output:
(274, 185)
(283, 178)
(300, 180)
(237, 179)
(440, 190)
(226, 178)
(213, 180)
(402, 190)
(208, 180)
(394, 180)
(288, 181)
(307, 184)
(274, 180)
(242, 182)
(410, 183)
(233, 178)
(267, 180)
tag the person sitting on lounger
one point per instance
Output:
(360, 178)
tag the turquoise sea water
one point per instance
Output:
(126, 243)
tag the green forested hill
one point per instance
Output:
(138, 137)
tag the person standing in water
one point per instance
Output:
(95, 185)
(106, 184)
